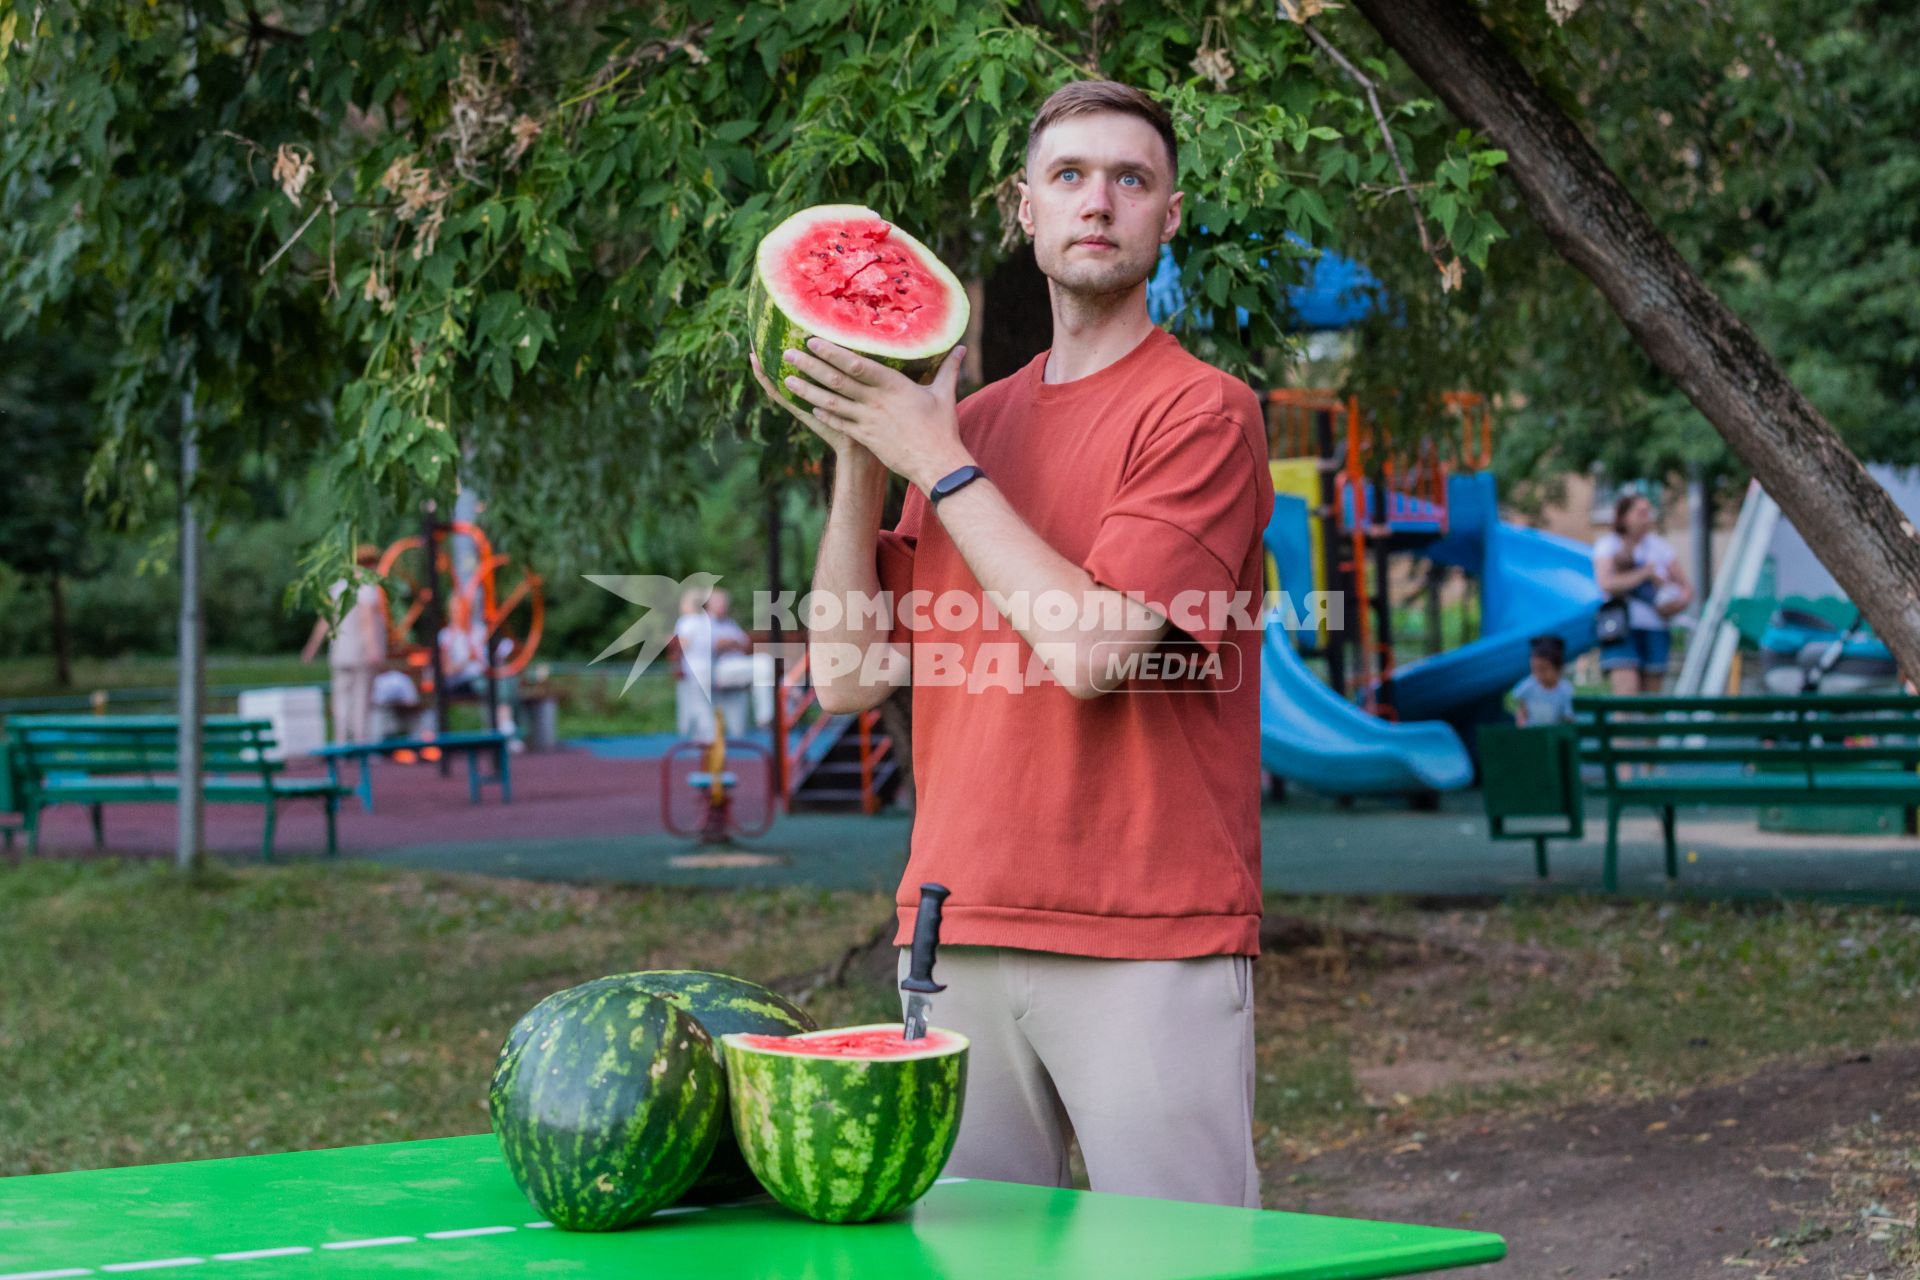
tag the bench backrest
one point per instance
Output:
(1530, 772)
(142, 745)
(1810, 731)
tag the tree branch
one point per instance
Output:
(1846, 517)
(1380, 118)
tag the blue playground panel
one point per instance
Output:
(1532, 583)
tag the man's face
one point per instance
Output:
(1099, 202)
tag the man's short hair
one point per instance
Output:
(1552, 648)
(1084, 97)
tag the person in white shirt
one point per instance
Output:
(1636, 564)
(707, 638)
(356, 653)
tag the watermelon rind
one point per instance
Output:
(774, 325)
(721, 1004)
(608, 1108)
(841, 1139)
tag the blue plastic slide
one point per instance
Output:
(1531, 583)
(1312, 736)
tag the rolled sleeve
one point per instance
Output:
(1179, 530)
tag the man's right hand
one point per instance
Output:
(836, 440)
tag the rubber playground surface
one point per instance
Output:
(580, 814)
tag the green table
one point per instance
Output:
(447, 1207)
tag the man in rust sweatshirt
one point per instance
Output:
(1075, 581)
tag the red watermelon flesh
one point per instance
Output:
(861, 1042)
(861, 279)
(844, 273)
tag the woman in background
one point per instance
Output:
(1636, 564)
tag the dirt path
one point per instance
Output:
(1792, 1172)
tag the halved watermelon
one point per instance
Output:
(844, 273)
(848, 1124)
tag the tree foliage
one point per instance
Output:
(1772, 142)
(511, 244)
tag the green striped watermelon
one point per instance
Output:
(850, 1124)
(607, 1107)
(843, 273)
(721, 1004)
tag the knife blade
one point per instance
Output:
(919, 984)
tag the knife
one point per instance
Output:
(919, 984)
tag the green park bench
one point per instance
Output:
(1530, 780)
(103, 760)
(11, 817)
(1663, 752)
(472, 744)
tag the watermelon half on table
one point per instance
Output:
(848, 1124)
(844, 273)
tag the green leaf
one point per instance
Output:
(991, 77)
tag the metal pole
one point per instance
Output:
(1380, 531)
(1330, 546)
(1700, 516)
(432, 620)
(189, 851)
(779, 726)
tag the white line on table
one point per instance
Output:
(248, 1255)
(947, 1182)
(685, 1208)
(464, 1232)
(373, 1243)
(535, 1226)
(153, 1264)
(62, 1274)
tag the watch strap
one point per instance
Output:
(951, 483)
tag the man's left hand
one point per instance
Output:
(913, 430)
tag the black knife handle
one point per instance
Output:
(926, 938)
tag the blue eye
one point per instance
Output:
(1133, 177)
(1067, 175)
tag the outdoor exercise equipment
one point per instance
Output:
(450, 572)
(715, 785)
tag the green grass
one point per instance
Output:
(33, 677)
(152, 1019)
(590, 704)
(267, 1008)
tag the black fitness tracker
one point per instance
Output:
(952, 483)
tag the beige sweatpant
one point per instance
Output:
(1149, 1063)
(353, 704)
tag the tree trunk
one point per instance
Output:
(62, 642)
(1848, 520)
(189, 850)
(1017, 320)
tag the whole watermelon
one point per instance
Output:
(721, 1004)
(851, 1124)
(607, 1107)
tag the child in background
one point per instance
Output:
(1545, 696)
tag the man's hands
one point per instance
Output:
(913, 430)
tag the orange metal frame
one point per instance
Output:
(1424, 477)
(790, 703)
